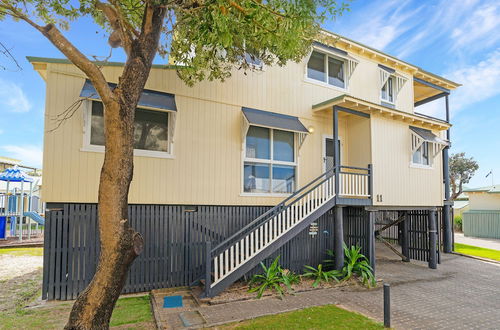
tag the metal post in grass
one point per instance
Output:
(387, 305)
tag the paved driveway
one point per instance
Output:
(488, 243)
(463, 293)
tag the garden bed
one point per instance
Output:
(239, 290)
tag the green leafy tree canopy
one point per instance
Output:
(462, 169)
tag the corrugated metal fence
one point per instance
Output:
(174, 249)
(481, 224)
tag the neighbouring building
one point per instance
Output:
(285, 160)
(482, 219)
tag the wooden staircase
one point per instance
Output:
(240, 253)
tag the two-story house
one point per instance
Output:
(282, 160)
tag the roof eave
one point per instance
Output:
(369, 107)
(413, 69)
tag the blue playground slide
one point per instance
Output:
(35, 217)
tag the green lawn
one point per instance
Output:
(323, 317)
(38, 251)
(132, 311)
(16, 293)
(477, 251)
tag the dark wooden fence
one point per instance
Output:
(175, 239)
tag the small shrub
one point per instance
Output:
(289, 278)
(273, 278)
(356, 263)
(457, 221)
(328, 264)
(320, 275)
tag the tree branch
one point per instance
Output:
(123, 33)
(71, 52)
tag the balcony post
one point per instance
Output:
(370, 181)
(336, 151)
(447, 221)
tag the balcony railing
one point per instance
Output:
(355, 182)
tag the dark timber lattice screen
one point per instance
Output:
(356, 228)
(174, 250)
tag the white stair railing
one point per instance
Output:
(265, 233)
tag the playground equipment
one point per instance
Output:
(18, 206)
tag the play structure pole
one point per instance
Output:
(29, 209)
(21, 213)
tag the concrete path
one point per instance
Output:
(463, 293)
(488, 243)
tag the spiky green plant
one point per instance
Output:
(320, 275)
(273, 278)
(356, 263)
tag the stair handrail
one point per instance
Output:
(276, 209)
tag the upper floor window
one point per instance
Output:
(151, 130)
(387, 91)
(421, 155)
(270, 161)
(327, 69)
(391, 84)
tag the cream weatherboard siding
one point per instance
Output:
(396, 179)
(484, 201)
(206, 167)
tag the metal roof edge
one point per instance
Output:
(37, 59)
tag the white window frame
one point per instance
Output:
(429, 157)
(325, 81)
(270, 162)
(393, 86)
(88, 147)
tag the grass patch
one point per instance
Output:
(131, 310)
(477, 251)
(35, 251)
(323, 317)
(134, 311)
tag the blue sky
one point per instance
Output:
(457, 39)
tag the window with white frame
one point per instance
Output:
(387, 91)
(151, 130)
(269, 161)
(421, 155)
(327, 69)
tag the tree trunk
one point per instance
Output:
(120, 244)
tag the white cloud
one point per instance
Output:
(380, 23)
(435, 24)
(30, 155)
(13, 98)
(480, 81)
(1, 131)
(480, 29)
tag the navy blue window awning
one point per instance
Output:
(149, 98)
(428, 136)
(273, 120)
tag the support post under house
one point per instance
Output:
(339, 238)
(447, 221)
(432, 240)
